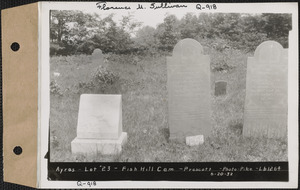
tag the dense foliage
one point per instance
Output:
(75, 32)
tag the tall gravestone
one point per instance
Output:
(99, 127)
(97, 56)
(265, 113)
(189, 92)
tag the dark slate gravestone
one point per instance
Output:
(189, 91)
(265, 113)
(220, 88)
(97, 56)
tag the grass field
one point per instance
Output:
(142, 83)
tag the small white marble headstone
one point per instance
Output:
(194, 140)
(100, 116)
(99, 128)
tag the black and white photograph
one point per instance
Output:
(159, 95)
(172, 83)
(176, 90)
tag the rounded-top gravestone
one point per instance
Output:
(268, 52)
(188, 85)
(97, 56)
(187, 47)
(266, 106)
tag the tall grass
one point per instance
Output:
(142, 83)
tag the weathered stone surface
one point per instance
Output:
(99, 128)
(265, 112)
(100, 116)
(188, 91)
(194, 140)
(96, 146)
(220, 88)
(97, 56)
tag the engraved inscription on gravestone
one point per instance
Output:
(99, 127)
(188, 91)
(266, 92)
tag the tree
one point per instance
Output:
(75, 31)
(112, 38)
(205, 23)
(277, 27)
(58, 24)
(68, 29)
(189, 26)
(168, 33)
(145, 40)
(129, 25)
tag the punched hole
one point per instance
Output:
(18, 150)
(15, 46)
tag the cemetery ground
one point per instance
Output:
(142, 81)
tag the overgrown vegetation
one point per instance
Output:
(135, 66)
(75, 32)
(145, 117)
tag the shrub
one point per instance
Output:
(55, 88)
(63, 48)
(102, 81)
(250, 41)
(86, 85)
(222, 61)
(54, 49)
(87, 47)
(104, 76)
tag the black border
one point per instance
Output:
(150, 171)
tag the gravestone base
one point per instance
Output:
(98, 146)
(194, 140)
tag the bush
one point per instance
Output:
(222, 61)
(55, 49)
(86, 85)
(87, 47)
(250, 41)
(102, 81)
(62, 49)
(103, 76)
(55, 89)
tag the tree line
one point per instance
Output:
(75, 32)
